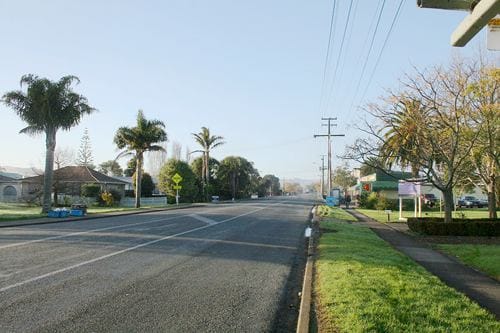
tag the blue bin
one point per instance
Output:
(76, 212)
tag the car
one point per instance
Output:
(469, 201)
(429, 199)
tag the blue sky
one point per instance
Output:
(251, 71)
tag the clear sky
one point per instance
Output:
(251, 71)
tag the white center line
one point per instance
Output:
(62, 270)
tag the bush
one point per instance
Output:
(459, 227)
(90, 190)
(107, 199)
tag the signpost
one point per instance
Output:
(177, 179)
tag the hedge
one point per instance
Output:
(459, 227)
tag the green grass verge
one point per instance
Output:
(381, 216)
(364, 285)
(14, 211)
(485, 258)
(335, 213)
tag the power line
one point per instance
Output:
(393, 23)
(325, 69)
(340, 53)
(369, 52)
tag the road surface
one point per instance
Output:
(221, 268)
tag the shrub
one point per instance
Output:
(90, 190)
(382, 203)
(459, 227)
(107, 199)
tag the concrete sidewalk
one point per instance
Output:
(476, 285)
(50, 220)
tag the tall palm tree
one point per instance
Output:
(137, 140)
(47, 106)
(207, 142)
(403, 140)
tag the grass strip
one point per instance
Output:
(335, 213)
(364, 285)
(484, 257)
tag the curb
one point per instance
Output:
(304, 319)
(20, 223)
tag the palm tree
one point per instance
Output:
(403, 138)
(138, 140)
(207, 142)
(46, 107)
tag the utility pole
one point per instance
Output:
(329, 135)
(322, 168)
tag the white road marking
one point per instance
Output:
(202, 219)
(83, 263)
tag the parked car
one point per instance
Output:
(469, 201)
(429, 199)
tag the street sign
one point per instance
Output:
(177, 178)
(177, 187)
(493, 39)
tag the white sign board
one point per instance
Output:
(493, 39)
(408, 189)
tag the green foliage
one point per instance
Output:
(382, 203)
(47, 107)
(236, 176)
(85, 152)
(147, 185)
(364, 285)
(111, 168)
(90, 190)
(131, 166)
(190, 187)
(107, 199)
(458, 227)
(343, 177)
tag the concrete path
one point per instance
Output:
(476, 285)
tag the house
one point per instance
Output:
(69, 180)
(10, 189)
(384, 183)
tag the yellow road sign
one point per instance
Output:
(177, 187)
(177, 178)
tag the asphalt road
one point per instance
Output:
(223, 268)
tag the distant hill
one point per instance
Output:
(16, 172)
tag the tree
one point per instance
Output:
(140, 139)
(147, 185)
(176, 150)
(111, 168)
(213, 166)
(485, 121)
(131, 166)
(269, 184)
(189, 191)
(343, 177)
(235, 174)
(85, 152)
(207, 142)
(443, 142)
(63, 157)
(48, 106)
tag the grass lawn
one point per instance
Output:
(15, 211)
(364, 285)
(381, 216)
(334, 212)
(485, 258)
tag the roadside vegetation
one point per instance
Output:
(364, 285)
(484, 257)
(381, 215)
(334, 213)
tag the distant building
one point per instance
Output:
(381, 182)
(69, 180)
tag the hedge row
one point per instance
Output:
(459, 227)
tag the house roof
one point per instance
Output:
(80, 174)
(7, 179)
